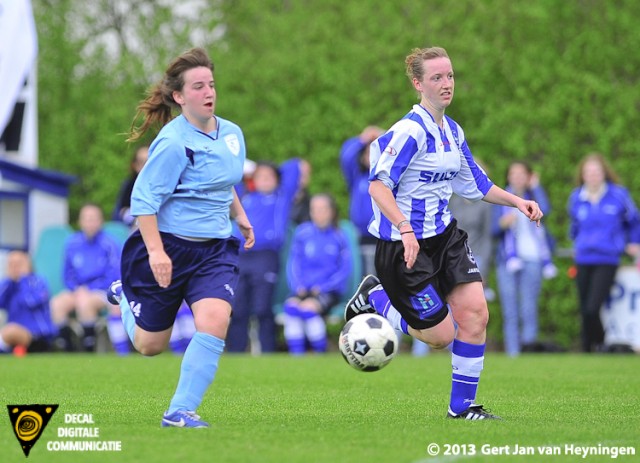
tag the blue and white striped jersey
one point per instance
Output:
(423, 165)
(189, 177)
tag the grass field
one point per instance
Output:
(317, 409)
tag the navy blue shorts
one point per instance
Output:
(201, 269)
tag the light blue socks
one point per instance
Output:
(199, 366)
(128, 320)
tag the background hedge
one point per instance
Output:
(543, 80)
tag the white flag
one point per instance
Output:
(18, 51)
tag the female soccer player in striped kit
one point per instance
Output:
(182, 199)
(423, 261)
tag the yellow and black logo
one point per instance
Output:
(29, 421)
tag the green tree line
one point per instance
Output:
(544, 80)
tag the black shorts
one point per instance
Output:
(420, 294)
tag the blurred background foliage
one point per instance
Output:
(545, 80)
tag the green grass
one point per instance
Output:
(317, 409)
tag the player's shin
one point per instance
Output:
(467, 362)
(128, 319)
(380, 301)
(198, 369)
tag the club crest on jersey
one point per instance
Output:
(390, 150)
(232, 143)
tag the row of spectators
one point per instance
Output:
(604, 225)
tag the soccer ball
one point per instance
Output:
(368, 342)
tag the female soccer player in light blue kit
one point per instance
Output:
(423, 260)
(183, 199)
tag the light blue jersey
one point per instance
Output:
(423, 165)
(189, 177)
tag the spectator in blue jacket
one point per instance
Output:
(523, 259)
(91, 263)
(604, 224)
(354, 160)
(318, 270)
(268, 208)
(25, 297)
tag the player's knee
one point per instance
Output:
(482, 317)
(441, 340)
(474, 320)
(149, 350)
(438, 337)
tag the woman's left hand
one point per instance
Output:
(247, 231)
(411, 248)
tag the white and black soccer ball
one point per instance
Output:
(368, 342)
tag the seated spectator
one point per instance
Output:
(317, 272)
(91, 263)
(25, 297)
(123, 202)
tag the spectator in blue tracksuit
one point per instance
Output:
(25, 297)
(91, 263)
(523, 259)
(354, 161)
(604, 224)
(268, 208)
(318, 270)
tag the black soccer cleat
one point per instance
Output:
(474, 413)
(359, 302)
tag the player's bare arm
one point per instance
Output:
(531, 209)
